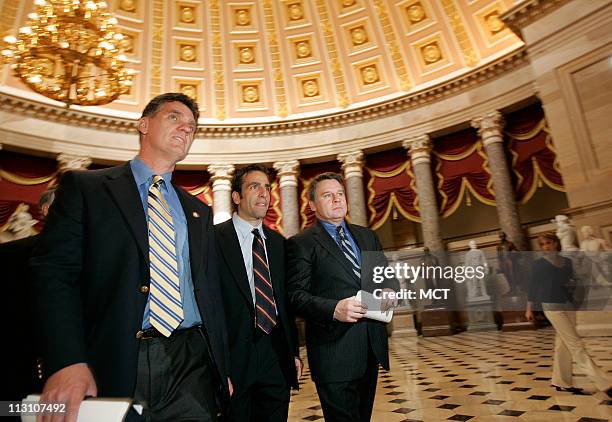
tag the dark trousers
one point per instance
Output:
(175, 378)
(350, 401)
(266, 398)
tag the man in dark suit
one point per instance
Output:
(326, 262)
(127, 284)
(263, 344)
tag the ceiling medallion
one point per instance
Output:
(71, 51)
(302, 49)
(431, 53)
(242, 17)
(295, 11)
(246, 55)
(359, 35)
(416, 13)
(187, 14)
(310, 88)
(250, 93)
(369, 74)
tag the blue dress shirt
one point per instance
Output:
(143, 176)
(331, 229)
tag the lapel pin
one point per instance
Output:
(196, 214)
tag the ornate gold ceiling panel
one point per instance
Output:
(258, 62)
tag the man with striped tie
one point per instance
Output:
(325, 265)
(263, 343)
(126, 279)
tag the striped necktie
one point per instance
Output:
(348, 251)
(265, 307)
(166, 309)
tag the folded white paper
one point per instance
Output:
(374, 307)
(92, 409)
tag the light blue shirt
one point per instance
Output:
(143, 176)
(244, 230)
(331, 229)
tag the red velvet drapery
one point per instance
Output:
(461, 169)
(534, 160)
(390, 185)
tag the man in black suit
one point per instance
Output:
(326, 262)
(264, 360)
(127, 284)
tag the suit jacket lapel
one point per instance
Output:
(124, 191)
(198, 245)
(230, 248)
(332, 247)
(360, 238)
(276, 270)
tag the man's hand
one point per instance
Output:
(298, 367)
(387, 303)
(349, 310)
(230, 386)
(69, 385)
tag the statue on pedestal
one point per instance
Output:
(20, 225)
(596, 265)
(566, 233)
(476, 287)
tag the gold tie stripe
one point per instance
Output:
(166, 309)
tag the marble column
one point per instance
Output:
(419, 150)
(288, 183)
(352, 167)
(221, 177)
(490, 130)
(68, 162)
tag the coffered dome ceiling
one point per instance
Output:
(269, 61)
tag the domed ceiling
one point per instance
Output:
(263, 61)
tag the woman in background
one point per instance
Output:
(552, 275)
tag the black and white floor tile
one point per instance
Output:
(482, 376)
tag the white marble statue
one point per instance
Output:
(476, 287)
(20, 225)
(596, 265)
(566, 233)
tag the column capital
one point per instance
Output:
(287, 172)
(352, 163)
(287, 168)
(68, 162)
(419, 149)
(221, 176)
(490, 127)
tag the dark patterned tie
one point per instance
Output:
(265, 308)
(348, 251)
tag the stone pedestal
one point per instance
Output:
(512, 312)
(436, 322)
(402, 324)
(480, 315)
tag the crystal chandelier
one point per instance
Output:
(70, 51)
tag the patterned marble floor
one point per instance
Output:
(483, 376)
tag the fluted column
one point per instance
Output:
(288, 184)
(221, 176)
(419, 150)
(68, 162)
(352, 166)
(490, 130)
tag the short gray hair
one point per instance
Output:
(312, 188)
